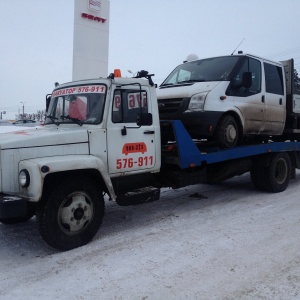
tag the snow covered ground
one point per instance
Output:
(225, 241)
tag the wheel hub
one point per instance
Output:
(281, 171)
(78, 214)
(75, 213)
(230, 133)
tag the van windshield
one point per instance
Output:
(77, 104)
(210, 69)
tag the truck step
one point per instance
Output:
(139, 196)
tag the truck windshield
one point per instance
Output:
(77, 104)
(210, 69)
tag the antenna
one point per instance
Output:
(238, 46)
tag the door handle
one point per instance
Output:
(280, 101)
(263, 99)
(149, 132)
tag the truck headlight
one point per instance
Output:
(24, 178)
(197, 102)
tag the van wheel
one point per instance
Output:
(227, 133)
(72, 214)
(277, 176)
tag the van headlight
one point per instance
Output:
(24, 178)
(197, 102)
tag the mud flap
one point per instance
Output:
(138, 196)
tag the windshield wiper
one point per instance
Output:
(75, 120)
(52, 119)
(166, 84)
(191, 80)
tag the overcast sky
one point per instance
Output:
(37, 39)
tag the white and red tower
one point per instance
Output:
(91, 38)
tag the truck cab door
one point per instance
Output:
(130, 139)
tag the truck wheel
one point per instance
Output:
(72, 214)
(227, 133)
(277, 176)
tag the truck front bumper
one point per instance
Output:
(12, 206)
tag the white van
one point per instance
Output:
(227, 98)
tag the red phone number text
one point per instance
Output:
(128, 163)
(80, 89)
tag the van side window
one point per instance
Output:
(236, 89)
(127, 104)
(274, 79)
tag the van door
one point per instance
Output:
(275, 98)
(249, 100)
(131, 147)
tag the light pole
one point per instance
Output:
(23, 109)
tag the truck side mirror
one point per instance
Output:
(144, 119)
(48, 99)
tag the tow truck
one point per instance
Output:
(104, 137)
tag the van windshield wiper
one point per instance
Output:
(190, 80)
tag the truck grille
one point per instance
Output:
(169, 106)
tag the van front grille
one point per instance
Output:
(169, 106)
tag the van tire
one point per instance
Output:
(227, 133)
(70, 216)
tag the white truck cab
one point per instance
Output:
(108, 111)
(226, 98)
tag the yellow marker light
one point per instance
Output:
(117, 73)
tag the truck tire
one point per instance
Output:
(278, 174)
(72, 214)
(227, 132)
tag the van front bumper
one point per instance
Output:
(198, 124)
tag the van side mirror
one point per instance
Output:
(144, 119)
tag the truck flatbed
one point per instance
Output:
(188, 154)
